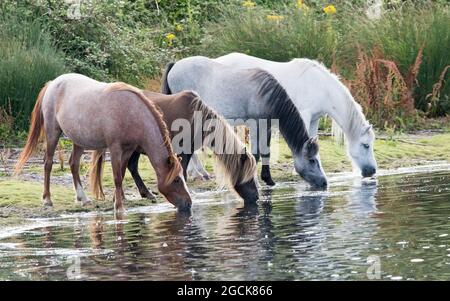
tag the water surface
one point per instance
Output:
(395, 227)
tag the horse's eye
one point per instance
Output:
(312, 161)
(177, 180)
(366, 145)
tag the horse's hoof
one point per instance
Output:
(148, 195)
(197, 178)
(269, 182)
(47, 203)
(83, 201)
(86, 202)
(119, 209)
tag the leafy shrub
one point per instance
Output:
(385, 94)
(28, 59)
(278, 37)
(400, 33)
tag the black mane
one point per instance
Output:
(280, 106)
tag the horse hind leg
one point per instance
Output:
(116, 163)
(185, 159)
(52, 137)
(74, 162)
(196, 169)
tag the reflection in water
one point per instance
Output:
(293, 233)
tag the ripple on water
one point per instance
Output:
(296, 233)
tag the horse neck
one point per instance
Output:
(343, 109)
(291, 124)
(157, 153)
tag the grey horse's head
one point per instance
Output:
(308, 166)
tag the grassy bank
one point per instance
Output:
(21, 197)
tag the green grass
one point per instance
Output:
(23, 198)
(28, 60)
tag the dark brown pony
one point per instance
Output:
(236, 166)
(97, 115)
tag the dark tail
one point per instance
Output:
(35, 133)
(165, 85)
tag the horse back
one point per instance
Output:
(175, 106)
(93, 117)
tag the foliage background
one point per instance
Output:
(132, 40)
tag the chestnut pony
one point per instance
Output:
(96, 115)
(236, 166)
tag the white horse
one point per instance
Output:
(317, 92)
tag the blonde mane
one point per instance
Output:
(228, 162)
(174, 163)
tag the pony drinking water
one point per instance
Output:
(251, 94)
(236, 166)
(92, 115)
(316, 92)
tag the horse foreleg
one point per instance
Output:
(265, 157)
(314, 127)
(74, 163)
(185, 159)
(52, 142)
(254, 143)
(133, 167)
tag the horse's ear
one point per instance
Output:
(312, 147)
(366, 129)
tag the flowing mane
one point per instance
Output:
(174, 163)
(354, 115)
(235, 170)
(281, 107)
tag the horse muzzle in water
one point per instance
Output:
(314, 181)
(320, 183)
(251, 199)
(368, 171)
(248, 191)
(184, 206)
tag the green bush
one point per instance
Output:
(400, 34)
(28, 59)
(105, 40)
(258, 32)
(131, 40)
